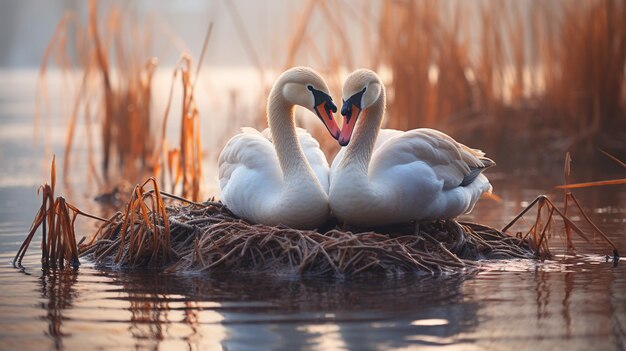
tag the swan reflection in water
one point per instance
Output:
(229, 312)
(226, 311)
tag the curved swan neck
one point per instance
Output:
(281, 122)
(359, 151)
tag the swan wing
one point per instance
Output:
(452, 163)
(386, 134)
(428, 175)
(315, 156)
(249, 173)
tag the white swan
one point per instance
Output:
(393, 176)
(280, 175)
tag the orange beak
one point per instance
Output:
(327, 117)
(348, 126)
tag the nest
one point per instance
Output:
(208, 237)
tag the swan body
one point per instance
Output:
(280, 175)
(388, 176)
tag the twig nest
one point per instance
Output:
(208, 237)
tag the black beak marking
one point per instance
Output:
(346, 107)
(320, 97)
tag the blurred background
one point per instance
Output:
(121, 90)
(525, 81)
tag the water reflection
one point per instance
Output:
(238, 312)
(578, 304)
(583, 308)
(161, 316)
(58, 294)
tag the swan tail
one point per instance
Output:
(476, 171)
(487, 162)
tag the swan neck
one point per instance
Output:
(281, 122)
(361, 147)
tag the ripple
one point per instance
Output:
(430, 322)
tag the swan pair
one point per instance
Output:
(280, 175)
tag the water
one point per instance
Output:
(570, 303)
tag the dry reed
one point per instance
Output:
(117, 87)
(184, 164)
(566, 74)
(542, 224)
(117, 83)
(567, 186)
(56, 217)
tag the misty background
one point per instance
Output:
(26, 27)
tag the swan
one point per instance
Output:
(280, 175)
(386, 177)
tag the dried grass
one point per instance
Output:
(145, 227)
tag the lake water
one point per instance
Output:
(570, 303)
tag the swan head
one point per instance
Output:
(305, 87)
(361, 89)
